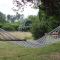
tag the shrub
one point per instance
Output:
(1, 25)
(38, 29)
(8, 28)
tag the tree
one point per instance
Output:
(20, 4)
(39, 27)
(2, 18)
(52, 7)
(49, 14)
(25, 25)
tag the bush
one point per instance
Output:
(38, 30)
(1, 25)
(10, 27)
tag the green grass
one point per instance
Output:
(9, 51)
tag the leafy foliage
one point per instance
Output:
(25, 25)
(10, 26)
(39, 27)
(43, 24)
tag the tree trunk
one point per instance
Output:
(52, 7)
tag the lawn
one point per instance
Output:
(22, 35)
(9, 51)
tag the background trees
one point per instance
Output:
(2, 18)
(6, 25)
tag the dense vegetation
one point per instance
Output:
(49, 18)
(10, 26)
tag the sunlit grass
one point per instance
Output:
(22, 35)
